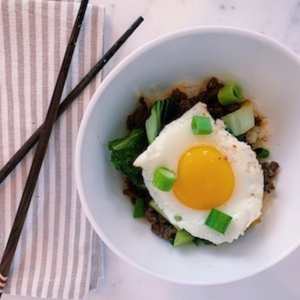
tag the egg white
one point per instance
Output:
(245, 203)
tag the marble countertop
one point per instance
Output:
(277, 19)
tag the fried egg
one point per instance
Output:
(213, 171)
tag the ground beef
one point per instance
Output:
(134, 192)
(210, 98)
(257, 121)
(159, 225)
(139, 117)
(212, 88)
(183, 103)
(270, 170)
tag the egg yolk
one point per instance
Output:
(205, 179)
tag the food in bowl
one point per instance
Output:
(214, 170)
(193, 166)
(269, 73)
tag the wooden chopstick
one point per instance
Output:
(40, 151)
(27, 146)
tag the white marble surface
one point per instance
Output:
(279, 19)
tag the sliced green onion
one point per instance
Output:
(262, 153)
(230, 94)
(218, 220)
(164, 179)
(182, 237)
(138, 211)
(177, 218)
(201, 125)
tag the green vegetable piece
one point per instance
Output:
(230, 94)
(199, 241)
(125, 151)
(229, 130)
(164, 179)
(262, 153)
(242, 137)
(172, 239)
(161, 114)
(206, 242)
(138, 211)
(153, 123)
(218, 220)
(124, 164)
(177, 218)
(182, 237)
(241, 120)
(201, 125)
(167, 111)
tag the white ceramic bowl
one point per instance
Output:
(270, 75)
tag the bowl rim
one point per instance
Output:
(214, 29)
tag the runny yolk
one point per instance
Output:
(205, 179)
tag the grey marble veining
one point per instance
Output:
(277, 19)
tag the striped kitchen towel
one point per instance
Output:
(59, 255)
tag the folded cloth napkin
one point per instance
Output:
(59, 255)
